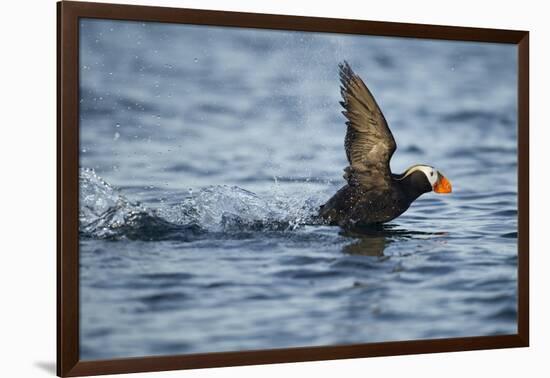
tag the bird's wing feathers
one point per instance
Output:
(369, 142)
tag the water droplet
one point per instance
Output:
(196, 60)
(116, 136)
(84, 150)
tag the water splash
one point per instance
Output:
(107, 214)
(230, 208)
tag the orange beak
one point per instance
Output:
(443, 185)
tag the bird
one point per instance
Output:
(373, 195)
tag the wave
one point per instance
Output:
(105, 213)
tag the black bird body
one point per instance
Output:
(358, 205)
(373, 194)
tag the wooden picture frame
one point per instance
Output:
(69, 13)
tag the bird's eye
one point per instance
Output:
(432, 173)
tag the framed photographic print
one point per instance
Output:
(239, 188)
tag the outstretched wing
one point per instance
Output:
(369, 142)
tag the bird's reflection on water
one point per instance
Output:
(373, 240)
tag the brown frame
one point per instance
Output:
(68, 13)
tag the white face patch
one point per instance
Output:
(430, 172)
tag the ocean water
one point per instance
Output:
(206, 151)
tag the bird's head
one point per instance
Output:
(426, 179)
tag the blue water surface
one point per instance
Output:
(205, 152)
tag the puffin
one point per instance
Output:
(373, 195)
